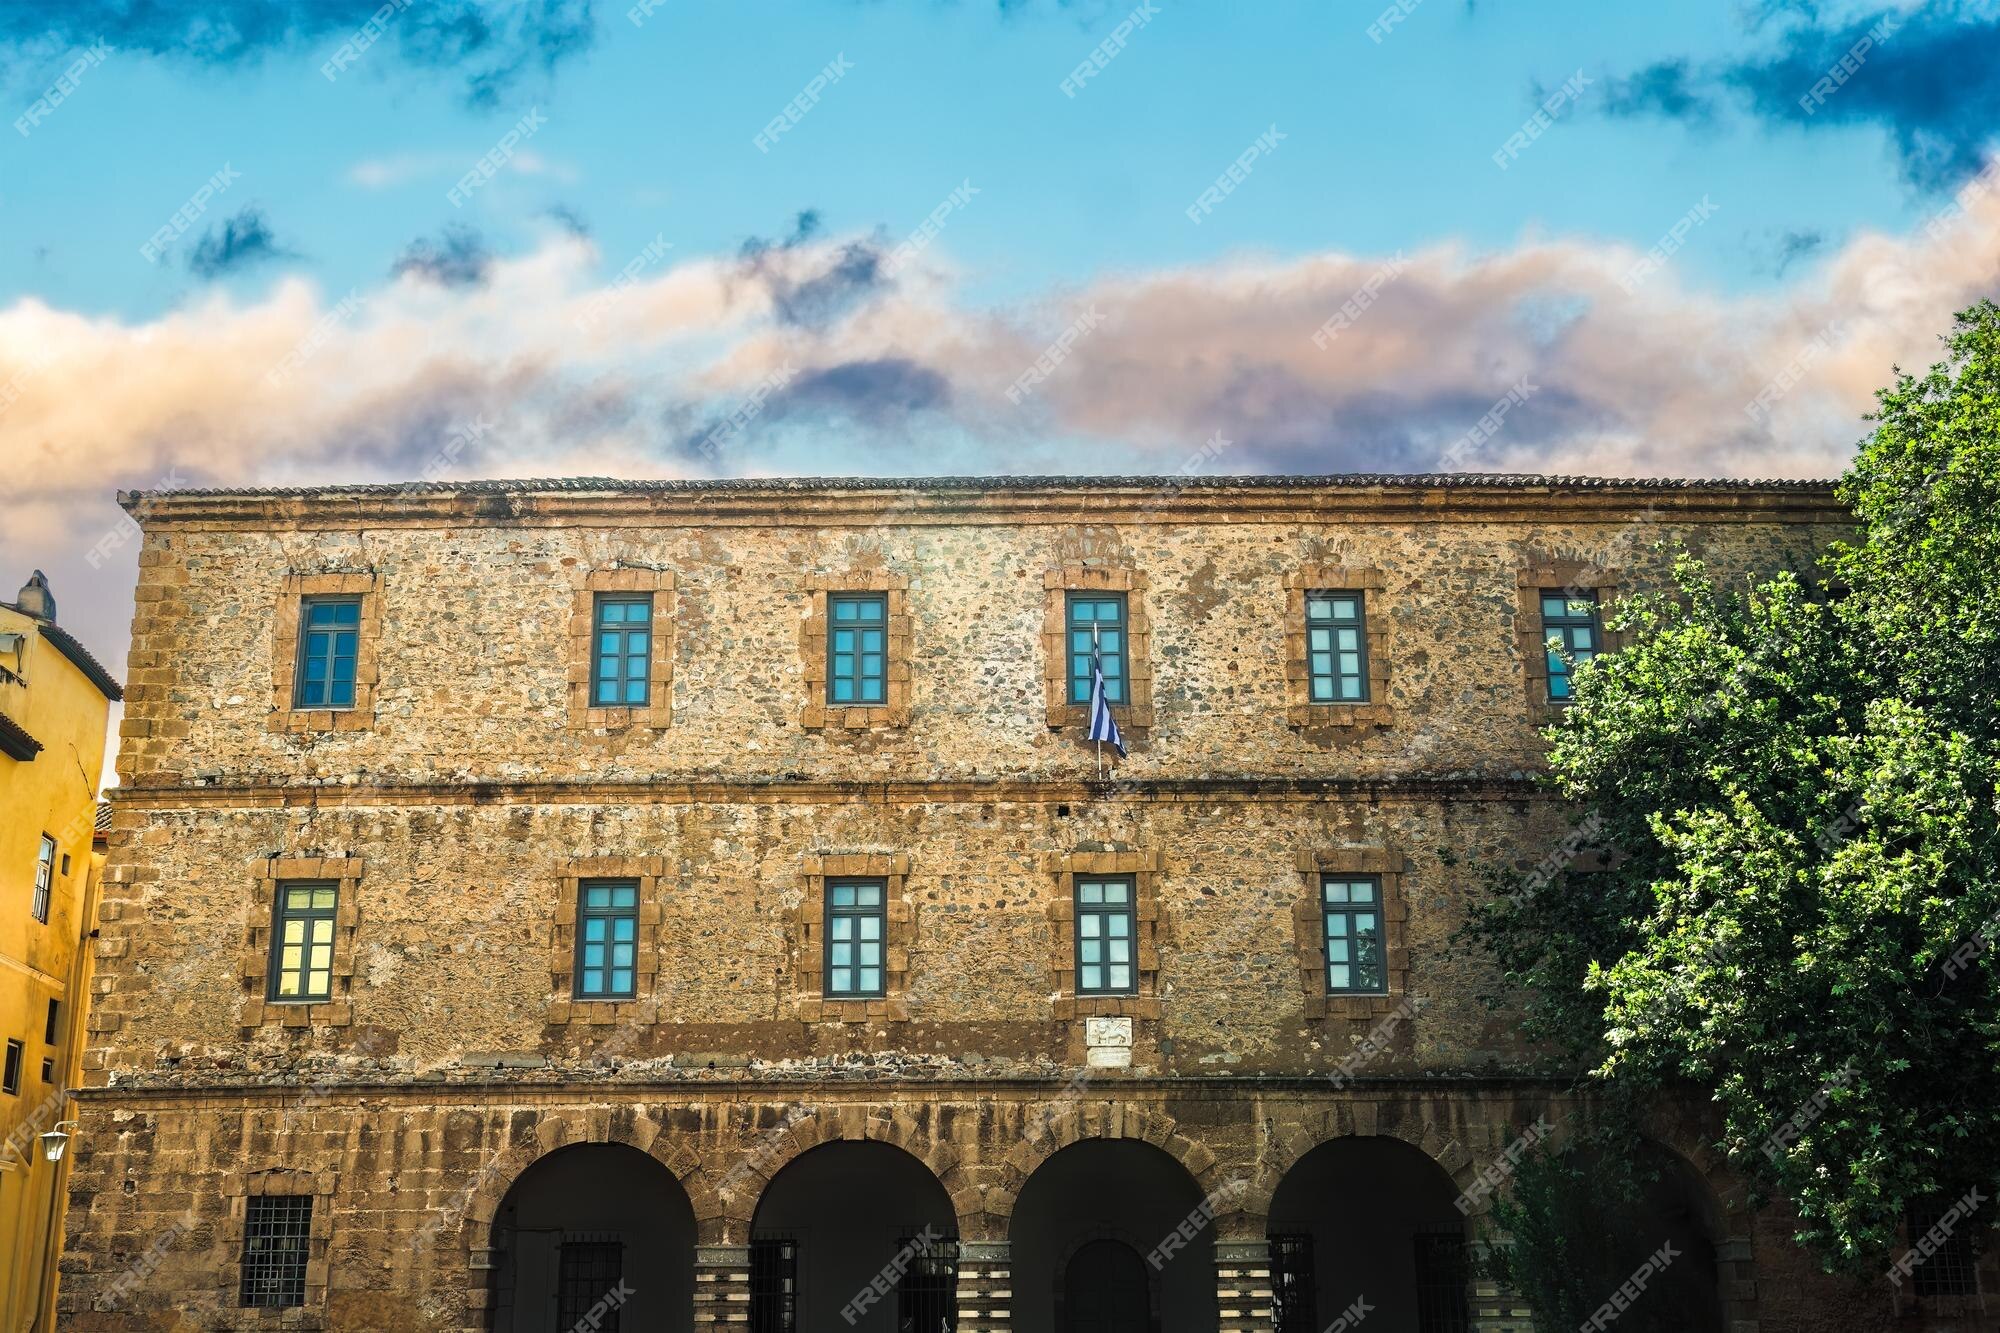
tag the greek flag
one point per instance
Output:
(1103, 726)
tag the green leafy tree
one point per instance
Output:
(1799, 778)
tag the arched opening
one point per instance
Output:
(854, 1235)
(1111, 1236)
(594, 1231)
(1669, 1227)
(1590, 1237)
(1369, 1219)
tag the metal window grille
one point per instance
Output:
(1337, 647)
(591, 1268)
(45, 867)
(1443, 1273)
(857, 648)
(607, 940)
(1570, 634)
(927, 1297)
(1294, 1295)
(1106, 929)
(302, 941)
(774, 1284)
(856, 918)
(329, 630)
(1352, 908)
(1953, 1268)
(277, 1237)
(1099, 620)
(621, 671)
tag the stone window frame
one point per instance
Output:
(259, 1010)
(809, 945)
(1144, 870)
(238, 1188)
(1384, 864)
(817, 713)
(1529, 583)
(564, 1007)
(294, 589)
(658, 711)
(1135, 716)
(1301, 712)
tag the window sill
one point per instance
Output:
(320, 719)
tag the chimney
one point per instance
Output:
(34, 598)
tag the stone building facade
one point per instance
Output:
(437, 1124)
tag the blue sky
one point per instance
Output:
(539, 238)
(649, 131)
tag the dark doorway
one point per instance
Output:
(1369, 1219)
(1104, 1290)
(597, 1235)
(854, 1235)
(1110, 1212)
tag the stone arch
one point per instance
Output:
(630, 1126)
(1285, 1145)
(1105, 1121)
(742, 1185)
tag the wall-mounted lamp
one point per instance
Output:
(55, 1141)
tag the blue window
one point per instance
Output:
(1336, 647)
(329, 630)
(1106, 928)
(1570, 634)
(1097, 618)
(621, 675)
(1353, 914)
(856, 648)
(855, 919)
(607, 939)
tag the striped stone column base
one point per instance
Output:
(985, 1286)
(1497, 1310)
(1243, 1286)
(721, 1287)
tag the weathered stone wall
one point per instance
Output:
(475, 617)
(454, 950)
(454, 811)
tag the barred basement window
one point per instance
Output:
(1443, 1271)
(277, 1234)
(45, 869)
(927, 1296)
(607, 940)
(621, 662)
(1294, 1300)
(10, 1077)
(591, 1268)
(1336, 647)
(329, 638)
(774, 1284)
(1953, 1267)
(857, 638)
(1097, 619)
(1570, 633)
(302, 941)
(1105, 931)
(1352, 908)
(856, 918)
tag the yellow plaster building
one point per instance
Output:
(54, 703)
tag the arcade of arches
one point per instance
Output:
(883, 1232)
